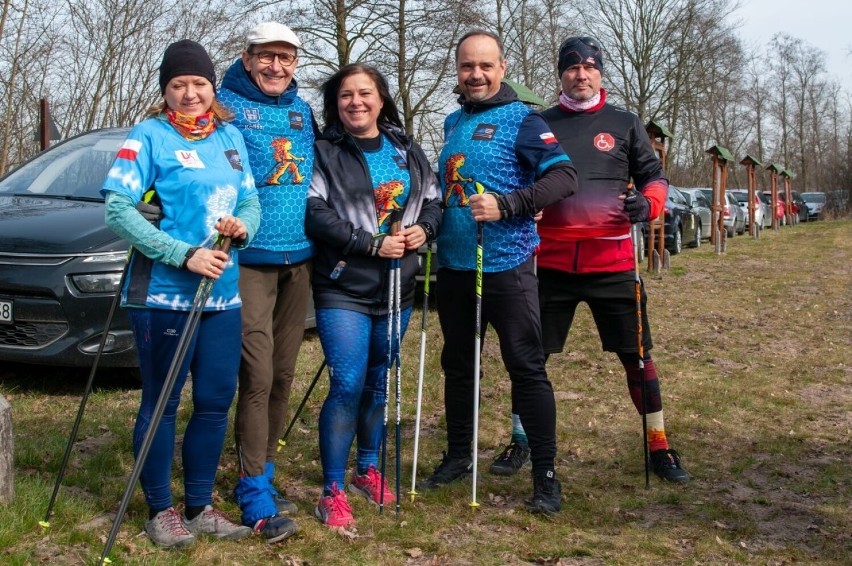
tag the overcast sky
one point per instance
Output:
(825, 24)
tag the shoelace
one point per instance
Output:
(339, 502)
(376, 486)
(172, 522)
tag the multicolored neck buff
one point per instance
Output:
(193, 128)
(594, 103)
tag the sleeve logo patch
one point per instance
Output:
(129, 150)
(548, 138)
(189, 159)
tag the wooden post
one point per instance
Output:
(792, 218)
(750, 164)
(774, 169)
(657, 226)
(7, 463)
(721, 156)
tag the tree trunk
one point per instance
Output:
(7, 470)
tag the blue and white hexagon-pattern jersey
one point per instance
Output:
(197, 182)
(280, 140)
(391, 180)
(503, 148)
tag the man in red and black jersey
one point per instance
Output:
(586, 252)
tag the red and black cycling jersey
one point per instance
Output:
(590, 232)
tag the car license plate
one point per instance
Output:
(6, 316)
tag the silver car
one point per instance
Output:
(815, 202)
(762, 209)
(700, 204)
(732, 215)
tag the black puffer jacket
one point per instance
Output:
(341, 219)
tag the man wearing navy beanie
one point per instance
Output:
(586, 252)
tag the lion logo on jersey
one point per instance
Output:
(386, 194)
(286, 162)
(454, 180)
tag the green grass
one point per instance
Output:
(753, 347)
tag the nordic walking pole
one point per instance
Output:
(397, 307)
(283, 440)
(201, 295)
(72, 438)
(638, 281)
(420, 370)
(393, 272)
(477, 349)
(391, 288)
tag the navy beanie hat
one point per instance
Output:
(186, 57)
(576, 50)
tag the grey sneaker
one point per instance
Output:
(214, 522)
(167, 530)
(284, 505)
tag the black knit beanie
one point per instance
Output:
(576, 50)
(186, 57)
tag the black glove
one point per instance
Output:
(151, 212)
(637, 207)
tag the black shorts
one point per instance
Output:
(611, 298)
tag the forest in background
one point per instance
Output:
(680, 63)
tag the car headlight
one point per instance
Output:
(113, 257)
(96, 282)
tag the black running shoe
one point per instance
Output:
(514, 457)
(448, 471)
(276, 528)
(666, 464)
(547, 494)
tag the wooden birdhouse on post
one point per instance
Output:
(721, 157)
(789, 214)
(658, 256)
(751, 163)
(774, 169)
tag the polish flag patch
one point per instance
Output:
(129, 150)
(548, 137)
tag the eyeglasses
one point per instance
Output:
(267, 57)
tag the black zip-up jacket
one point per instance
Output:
(341, 219)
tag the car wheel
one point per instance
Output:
(697, 242)
(730, 231)
(677, 246)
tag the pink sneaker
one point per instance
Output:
(334, 510)
(370, 486)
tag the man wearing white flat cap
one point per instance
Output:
(275, 272)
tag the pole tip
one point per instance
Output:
(44, 524)
(474, 504)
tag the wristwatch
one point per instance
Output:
(189, 253)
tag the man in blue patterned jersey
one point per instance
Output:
(497, 142)
(275, 271)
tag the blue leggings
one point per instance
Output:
(356, 348)
(213, 358)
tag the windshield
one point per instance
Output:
(75, 169)
(814, 197)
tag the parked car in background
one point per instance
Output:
(60, 265)
(732, 215)
(762, 208)
(698, 202)
(681, 223)
(800, 207)
(780, 207)
(815, 201)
